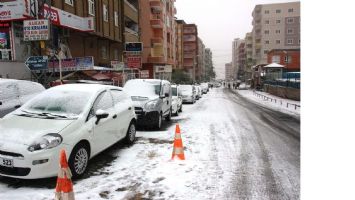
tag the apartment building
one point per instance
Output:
(290, 58)
(190, 47)
(249, 62)
(241, 62)
(157, 25)
(235, 57)
(275, 26)
(85, 28)
(179, 59)
(229, 71)
(208, 64)
(200, 70)
(131, 21)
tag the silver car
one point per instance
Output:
(188, 93)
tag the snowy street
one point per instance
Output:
(234, 149)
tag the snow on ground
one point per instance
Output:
(145, 170)
(274, 102)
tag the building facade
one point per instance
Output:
(229, 72)
(289, 58)
(157, 28)
(241, 62)
(249, 56)
(275, 26)
(200, 71)
(131, 21)
(179, 62)
(235, 57)
(190, 47)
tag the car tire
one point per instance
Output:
(168, 117)
(158, 122)
(180, 110)
(131, 133)
(79, 160)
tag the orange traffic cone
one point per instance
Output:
(178, 150)
(64, 188)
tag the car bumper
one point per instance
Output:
(24, 167)
(188, 99)
(146, 118)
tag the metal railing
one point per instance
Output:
(266, 98)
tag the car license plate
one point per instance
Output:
(6, 162)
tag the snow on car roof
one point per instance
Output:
(90, 88)
(154, 81)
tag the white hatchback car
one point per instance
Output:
(176, 103)
(83, 119)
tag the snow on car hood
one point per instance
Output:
(139, 101)
(25, 130)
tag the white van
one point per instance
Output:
(151, 99)
(14, 93)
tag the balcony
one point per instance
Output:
(157, 41)
(189, 55)
(156, 21)
(156, 59)
(156, 5)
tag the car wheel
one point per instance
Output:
(79, 159)
(158, 122)
(168, 117)
(131, 133)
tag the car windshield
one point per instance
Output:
(174, 91)
(144, 89)
(67, 103)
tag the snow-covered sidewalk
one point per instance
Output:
(287, 106)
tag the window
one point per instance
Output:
(266, 12)
(266, 31)
(91, 5)
(278, 21)
(290, 20)
(104, 52)
(267, 42)
(288, 59)
(104, 102)
(290, 10)
(116, 18)
(289, 31)
(278, 11)
(275, 59)
(267, 21)
(105, 12)
(69, 2)
(278, 41)
(289, 41)
(278, 31)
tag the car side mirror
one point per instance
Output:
(166, 94)
(100, 114)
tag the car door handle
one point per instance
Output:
(17, 106)
(115, 116)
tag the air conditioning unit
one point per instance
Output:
(66, 32)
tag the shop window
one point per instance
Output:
(105, 12)
(116, 18)
(5, 43)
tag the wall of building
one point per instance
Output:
(294, 64)
(288, 93)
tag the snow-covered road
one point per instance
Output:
(234, 149)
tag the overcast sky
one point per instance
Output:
(219, 22)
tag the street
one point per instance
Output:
(234, 149)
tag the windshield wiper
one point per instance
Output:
(43, 114)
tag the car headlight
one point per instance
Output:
(48, 141)
(150, 105)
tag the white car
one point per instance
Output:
(14, 93)
(205, 88)
(188, 93)
(176, 100)
(198, 92)
(83, 119)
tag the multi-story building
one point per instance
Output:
(131, 21)
(235, 56)
(229, 72)
(79, 28)
(157, 26)
(275, 26)
(208, 65)
(179, 26)
(200, 70)
(241, 62)
(190, 48)
(289, 58)
(249, 55)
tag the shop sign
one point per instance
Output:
(117, 65)
(65, 19)
(72, 64)
(133, 46)
(34, 30)
(37, 62)
(163, 69)
(14, 10)
(134, 61)
(144, 74)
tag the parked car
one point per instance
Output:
(14, 93)
(152, 100)
(83, 119)
(188, 93)
(198, 92)
(205, 88)
(176, 103)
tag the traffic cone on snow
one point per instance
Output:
(64, 188)
(178, 150)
